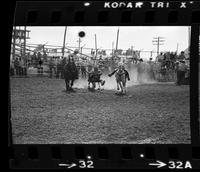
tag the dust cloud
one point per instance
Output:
(139, 74)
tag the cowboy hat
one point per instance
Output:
(120, 64)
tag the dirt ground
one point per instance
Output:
(43, 113)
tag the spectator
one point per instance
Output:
(21, 66)
(45, 56)
(40, 62)
(150, 61)
(33, 58)
(163, 71)
(51, 67)
(181, 71)
(83, 71)
(151, 69)
(63, 62)
(172, 56)
(58, 69)
(181, 57)
(12, 68)
(140, 70)
(78, 66)
(16, 66)
(172, 59)
(40, 68)
(160, 57)
(39, 56)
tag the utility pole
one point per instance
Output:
(82, 49)
(177, 48)
(158, 41)
(14, 42)
(112, 48)
(63, 49)
(24, 49)
(151, 53)
(19, 37)
(117, 40)
(96, 45)
(189, 36)
(132, 51)
(79, 43)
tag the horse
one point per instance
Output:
(70, 74)
(121, 80)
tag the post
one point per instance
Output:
(79, 43)
(151, 53)
(132, 51)
(14, 42)
(112, 48)
(63, 49)
(158, 41)
(158, 46)
(82, 49)
(117, 39)
(189, 36)
(95, 45)
(24, 50)
(177, 48)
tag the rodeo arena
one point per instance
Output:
(60, 95)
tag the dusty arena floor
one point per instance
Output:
(43, 113)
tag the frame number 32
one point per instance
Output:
(86, 164)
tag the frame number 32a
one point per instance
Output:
(179, 165)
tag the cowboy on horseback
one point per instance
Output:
(70, 73)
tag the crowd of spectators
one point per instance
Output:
(170, 63)
(173, 64)
(18, 67)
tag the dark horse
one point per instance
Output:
(70, 74)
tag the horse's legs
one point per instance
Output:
(72, 83)
(124, 87)
(117, 85)
(67, 84)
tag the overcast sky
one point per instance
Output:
(137, 36)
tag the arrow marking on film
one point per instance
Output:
(72, 165)
(159, 164)
(63, 165)
(67, 165)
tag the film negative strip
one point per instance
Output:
(68, 110)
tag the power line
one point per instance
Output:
(158, 41)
